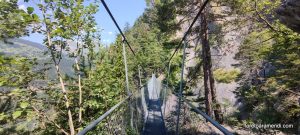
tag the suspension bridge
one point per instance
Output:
(155, 108)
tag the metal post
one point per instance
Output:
(137, 101)
(126, 69)
(166, 88)
(140, 78)
(180, 90)
(127, 83)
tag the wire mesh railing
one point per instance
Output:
(192, 119)
(111, 122)
(117, 120)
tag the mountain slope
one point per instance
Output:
(31, 50)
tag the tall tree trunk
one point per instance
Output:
(64, 91)
(77, 51)
(71, 125)
(80, 90)
(216, 105)
(56, 64)
(204, 41)
(208, 64)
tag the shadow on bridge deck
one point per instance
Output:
(154, 124)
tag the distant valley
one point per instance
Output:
(31, 50)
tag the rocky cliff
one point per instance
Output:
(289, 14)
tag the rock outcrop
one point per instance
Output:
(289, 14)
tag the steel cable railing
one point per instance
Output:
(106, 118)
(193, 120)
(130, 118)
(116, 121)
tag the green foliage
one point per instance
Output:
(106, 85)
(232, 121)
(14, 21)
(24, 105)
(15, 71)
(256, 47)
(269, 98)
(130, 131)
(150, 54)
(281, 52)
(160, 20)
(175, 70)
(30, 10)
(16, 112)
(226, 76)
(62, 21)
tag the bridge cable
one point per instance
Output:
(115, 22)
(121, 32)
(190, 28)
(184, 37)
(95, 123)
(181, 86)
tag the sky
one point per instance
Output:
(124, 11)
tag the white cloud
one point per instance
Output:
(110, 33)
(23, 7)
(106, 41)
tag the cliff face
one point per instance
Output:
(289, 14)
(222, 55)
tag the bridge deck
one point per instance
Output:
(154, 123)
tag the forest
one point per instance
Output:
(241, 66)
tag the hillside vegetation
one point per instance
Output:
(70, 80)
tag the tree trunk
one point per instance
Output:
(77, 51)
(204, 40)
(67, 103)
(208, 64)
(216, 106)
(72, 130)
(80, 91)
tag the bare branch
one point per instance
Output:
(41, 114)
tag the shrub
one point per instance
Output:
(226, 76)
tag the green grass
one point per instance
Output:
(226, 76)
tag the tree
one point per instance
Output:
(59, 30)
(106, 85)
(270, 81)
(14, 22)
(16, 72)
(83, 27)
(206, 69)
(18, 83)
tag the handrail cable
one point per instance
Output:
(117, 25)
(212, 121)
(181, 86)
(98, 120)
(102, 117)
(189, 29)
(203, 114)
